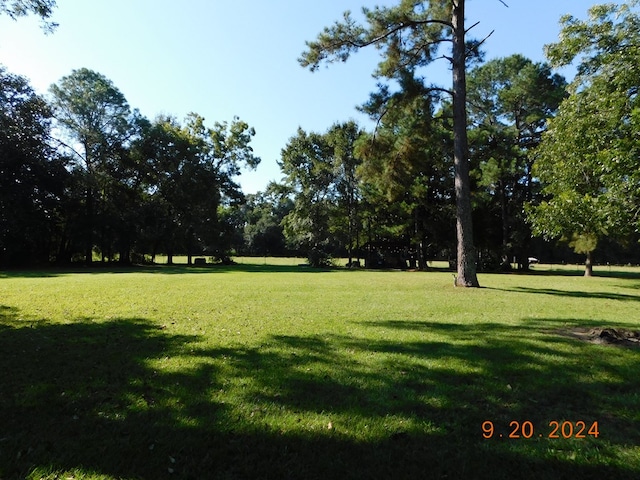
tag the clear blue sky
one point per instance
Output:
(222, 58)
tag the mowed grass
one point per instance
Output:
(280, 371)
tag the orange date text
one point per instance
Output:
(554, 429)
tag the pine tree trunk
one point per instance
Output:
(464, 226)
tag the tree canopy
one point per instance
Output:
(84, 176)
(32, 177)
(510, 100)
(589, 158)
(96, 120)
(321, 181)
(410, 35)
(20, 8)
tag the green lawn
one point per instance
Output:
(281, 371)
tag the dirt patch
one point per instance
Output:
(605, 336)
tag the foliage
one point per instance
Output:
(116, 185)
(94, 114)
(346, 221)
(21, 8)
(264, 213)
(410, 36)
(96, 120)
(190, 172)
(406, 171)
(510, 100)
(111, 183)
(588, 160)
(319, 173)
(32, 177)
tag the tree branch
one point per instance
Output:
(471, 27)
(479, 44)
(68, 147)
(338, 42)
(416, 52)
(401, 26)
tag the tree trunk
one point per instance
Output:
(464, 227)
(125, 250)
(588, 265)
(357, 225)
(88, 247)
(154, 252)
(504, 214)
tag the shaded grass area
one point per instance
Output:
(159, 270)
(333, 375)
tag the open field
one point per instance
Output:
(277, 371)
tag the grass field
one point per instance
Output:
(280, 371)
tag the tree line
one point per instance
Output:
(540, 160)
(85, 177)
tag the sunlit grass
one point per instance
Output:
(278, 371)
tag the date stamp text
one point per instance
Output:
(554, 429)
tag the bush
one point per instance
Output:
(318, 258)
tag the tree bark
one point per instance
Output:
(588, 265)
(467, 276)
(88, 246)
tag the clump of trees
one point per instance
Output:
(34, 181)
(83, 175)
(401, 196)
(471, 173)
(516, 169)
(510, 102)
(320, 177)
(410, 35)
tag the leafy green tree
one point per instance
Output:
(406, 171)
(342, 139)
(96, 120)
(306, 162)
(320, 175)
(21, 8)
(32, 176)
(264, 213)
(124, 199)
(222, 151)
(162, 151)
(190, 171)
(510, 100)
(588, 161)
(411, 34)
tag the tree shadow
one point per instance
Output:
(577, 271)
(161, 270)
(572, 293)
(106, 398)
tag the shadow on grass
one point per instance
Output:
(91, 397)
(572, 293)
(163, 270)
(613, 271)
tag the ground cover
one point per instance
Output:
(280, 371)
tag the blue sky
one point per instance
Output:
(226, 58)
